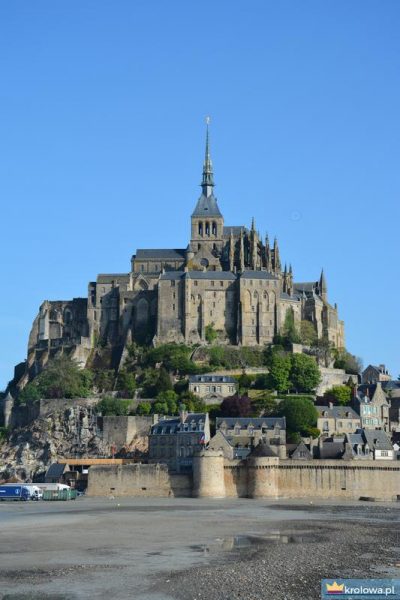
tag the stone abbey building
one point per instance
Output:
(227, 277)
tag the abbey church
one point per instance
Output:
(227, 279)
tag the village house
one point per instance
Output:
(174, 440)
(246, 433)
(370, 444)
(337, 419)
(371, 404)
(212, 389)
(373, 373)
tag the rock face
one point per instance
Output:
(65, 432)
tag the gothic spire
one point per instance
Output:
(323, 288)
(207, 183)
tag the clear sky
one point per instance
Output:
(102, 107)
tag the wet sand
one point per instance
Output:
(189, 549)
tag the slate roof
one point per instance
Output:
(294, 298)
(331, 450)
(211, 379)
(306, 286)
(257, 275)
(109, 277)
(207, 207)
(257, 423)
(55, 471)
(236, 230)
(160, 253)
(262, 450)
(377, 439)
(337, 412)
(174, 425)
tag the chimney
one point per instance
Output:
(183, 413)
(330, 404)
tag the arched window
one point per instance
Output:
(207, 229)
(214, 228)
(67, 316)
(201, 228)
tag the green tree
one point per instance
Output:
(62, 378)
(289, 329)
(160, 408)
(211, 334)
(339, 394)
(126, 383)
(103, 379)
(245, 382)
(350, 363)
(300, 415)
(110, 406)
(264, 406)
(170, 398)
(30, 394)
(143, 408)
(308, 334)
(279, 372)
(304, 373)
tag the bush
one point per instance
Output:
(103, 379)
(279, 372)
(262, 382)
(143, 408)
(110, 406)
(350, 363)
(173, 357)
(4, 431)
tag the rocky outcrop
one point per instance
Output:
(65, 432)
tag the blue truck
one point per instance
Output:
(14, 492)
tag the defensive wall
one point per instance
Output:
(138, 480)
(258, 477)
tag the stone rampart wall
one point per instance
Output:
(137, 480)
(121, 430)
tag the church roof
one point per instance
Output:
(257, 275)
(159, 253)
(207, 207)
(236, 230)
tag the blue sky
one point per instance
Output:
(102, 107)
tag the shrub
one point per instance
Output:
(144, 408)
(304, 373)
(340, 394)
(300, 415)
(211, 334)
(110, 406)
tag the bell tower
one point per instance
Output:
(207, 222)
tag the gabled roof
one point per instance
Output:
(377, 439)
(337, 412)
(55, 471)
(207, 207)
(263, 450)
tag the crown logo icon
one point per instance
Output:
(335, 588)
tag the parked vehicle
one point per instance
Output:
(14, 492)
(35, 492)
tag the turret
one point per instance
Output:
(267, 261)
(231, 252)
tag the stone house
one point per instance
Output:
(174, 440)
(371, 404)
(299, 451)
(373, 373)
(212, 389)
(245, 433)
(337, 419)
(370, 444)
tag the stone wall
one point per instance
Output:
(330, 377)
(122, 430)
(272, 478)
(137, 480)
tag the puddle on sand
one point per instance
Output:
(238, 542)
